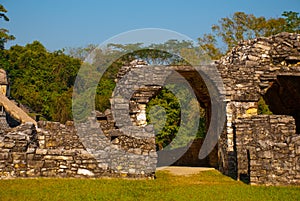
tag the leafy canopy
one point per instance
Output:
(41, 80)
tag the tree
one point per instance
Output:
(4, 36)
(80, 52)
(241, 26)
(41, 80)
(209, 45)
(292, 21)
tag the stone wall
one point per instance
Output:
(55, 150)
(268, 150)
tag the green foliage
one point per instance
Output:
(41, 80)
(263, 108)
(4, 36)
(2, 14)
(169, 117)
(292, 20)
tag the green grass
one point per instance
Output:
(209, 185)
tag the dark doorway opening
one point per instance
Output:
(191, 156)
(283, 97)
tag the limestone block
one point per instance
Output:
(66, 158)
(85, 172)
(41, 151)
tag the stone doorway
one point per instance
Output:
(189, 153)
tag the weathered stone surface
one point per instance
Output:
(269, 156)
(26, 152)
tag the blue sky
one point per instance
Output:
(72, 23)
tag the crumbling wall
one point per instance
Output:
(55, 150)
(268, 150)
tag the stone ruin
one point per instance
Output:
(263, 149)
(257, 149)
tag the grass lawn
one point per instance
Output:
(209, 185)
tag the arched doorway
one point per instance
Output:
(189, 151)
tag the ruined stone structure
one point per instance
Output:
(259, 149)
(55, 150)
(264, 149)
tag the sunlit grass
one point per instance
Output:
(208, 185)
